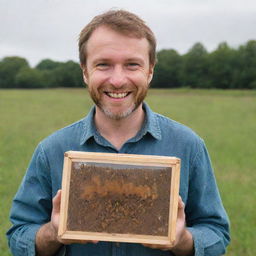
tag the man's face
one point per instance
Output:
(117, 72)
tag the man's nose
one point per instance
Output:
(118, 77)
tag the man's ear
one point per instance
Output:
(150, 73)
(85, 73)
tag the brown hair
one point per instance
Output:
(123, 22)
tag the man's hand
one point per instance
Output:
(183, 245)
(47, 240)
(55, 218)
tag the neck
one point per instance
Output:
(117, 132)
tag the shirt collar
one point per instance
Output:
(151, 125)
(89, 129)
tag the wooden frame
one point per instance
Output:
(83, 183)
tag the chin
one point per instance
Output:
(118, 115)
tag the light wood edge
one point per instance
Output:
(128, 238)
(122, 158)
(64, 196)
(174, 199)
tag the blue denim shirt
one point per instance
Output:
(205, 216)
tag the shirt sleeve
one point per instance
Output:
(206, 217)
(31, 206)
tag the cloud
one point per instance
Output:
(50, 28)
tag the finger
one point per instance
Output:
(88, 241)
(157, 246)
(56, 202)
(181, 209)
(74, 241)
(149, 245)
(181, 203)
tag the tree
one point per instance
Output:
(59, 74)
(9, 67)
(30, 78)
(167, 70)
(194, 70)
(69, 74)
(223, 67)
(48, 64)
(246, 74)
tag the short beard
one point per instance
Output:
(118, 116)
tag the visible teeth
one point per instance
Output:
(117, 95)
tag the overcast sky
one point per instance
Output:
(39, 29)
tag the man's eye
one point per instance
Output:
(102, 65)
(133, 65)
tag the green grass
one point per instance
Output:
(226, 120)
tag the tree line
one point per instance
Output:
(224, 68)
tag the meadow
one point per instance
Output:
(226, 120)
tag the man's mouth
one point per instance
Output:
(117, 95)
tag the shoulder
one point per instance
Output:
(184, 141)
(172, 128)
(67, 135)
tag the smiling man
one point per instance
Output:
(117, 71)
(117, 55)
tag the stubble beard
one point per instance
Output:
(141, 95)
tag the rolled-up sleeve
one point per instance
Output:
(31, 206)
(207, 219)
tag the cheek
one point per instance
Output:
(93, 86)
(142, 88)
(141, 79)
(96, 77)
(95, 81)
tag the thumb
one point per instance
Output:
(181, 208)
(56, 202)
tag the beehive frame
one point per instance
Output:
(74, 160)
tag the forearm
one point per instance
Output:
(185, 246)
(209, 240)
(46, 241)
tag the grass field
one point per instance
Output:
(225, 119)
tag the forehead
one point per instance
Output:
(106, 41)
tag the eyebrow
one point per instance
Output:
(100, 60)
(135, 59)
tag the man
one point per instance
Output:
(117, 55)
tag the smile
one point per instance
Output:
(117, 95)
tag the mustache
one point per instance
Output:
(111, 88)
